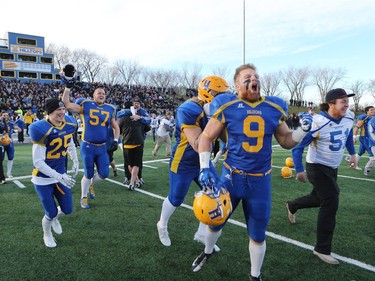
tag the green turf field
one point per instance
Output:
(117, 238)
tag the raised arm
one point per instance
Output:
(72, 107)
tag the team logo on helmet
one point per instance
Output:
(209, 84)
(5, 139)
(212, 208)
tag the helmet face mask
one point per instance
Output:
(210, 86)
(212, 208)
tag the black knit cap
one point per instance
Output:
(52, 104)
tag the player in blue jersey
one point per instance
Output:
(96, 116)
(331, 133)
(52, 140)
(371, 143)
(184, 162)
(249, 122)
(361, 126)
(9, 149)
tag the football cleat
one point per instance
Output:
(56, 226)
(142, 182)
(49, 241)
(210, 86)
(126, 181)
(252, 278)
(212, 208)
(163, 235)
(92, 192)
(48, 238)
(201, 239)
(115, 173)
(84, 203)
(289, 162)
(131, 187)
(286, 172)
(200, 261)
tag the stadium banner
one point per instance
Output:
(25, 66)
(27, 50)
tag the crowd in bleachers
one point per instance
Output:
(32, 95)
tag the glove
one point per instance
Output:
(206, 179)
(66, 180)
(114, 145)
(305, 120)
(75, 169)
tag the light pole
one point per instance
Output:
(243, 35)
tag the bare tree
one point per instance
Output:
(128, 70)
(108, 74)
(163, 78)
(88, 63)
(296, 80)
(143, 77)
(191, 75)
(62, 54)
(270, 83)
(371, 87)
(326, 78)
(358, 88)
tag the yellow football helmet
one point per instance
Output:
(5, 139)
(286, 172)
(212, 209)
(289, 162)
(211, 83)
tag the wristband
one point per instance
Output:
(298, 135)
(204, 159)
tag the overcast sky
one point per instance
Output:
(165, 34)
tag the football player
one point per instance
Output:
(371, 132)
(184, 162)
(249, 121)
(52, 139)
(96, 116)
(9, 148)
(364, 134)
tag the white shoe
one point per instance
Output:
(201, 239)
(163, 235)
(9, 176)
(326, 258)
(49, 241)
(358, 168)
(56, 226)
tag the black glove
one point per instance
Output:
(70, 84)
(114, 146)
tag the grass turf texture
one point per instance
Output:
(117, 238)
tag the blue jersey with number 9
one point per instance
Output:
(250, 128)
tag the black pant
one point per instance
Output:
(325, 194)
